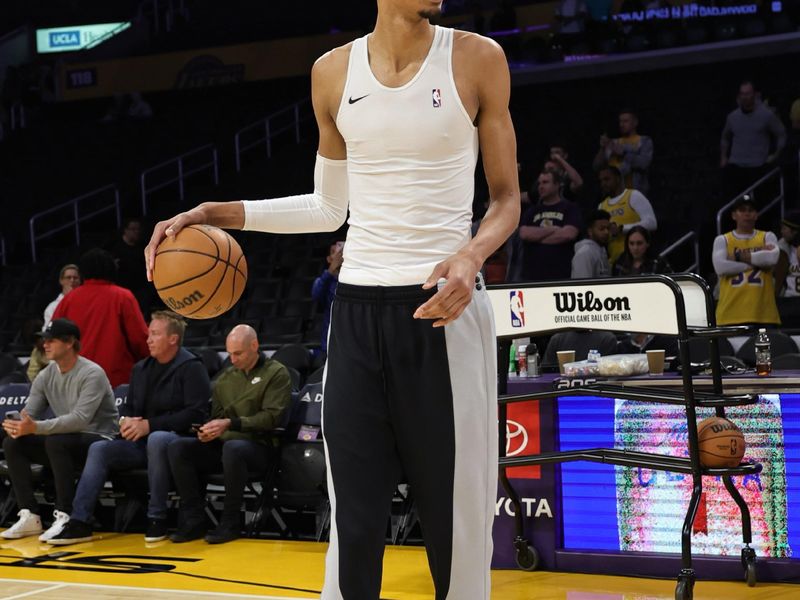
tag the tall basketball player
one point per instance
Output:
(410, 383)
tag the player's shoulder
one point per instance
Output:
(479, 47)
(332, 64)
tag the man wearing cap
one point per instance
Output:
(787, 273)
(78, 394)
(743, 260)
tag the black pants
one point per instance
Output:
(63, 453)
(190, 459)
(403, 397)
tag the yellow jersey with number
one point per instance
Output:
(622, 213)
(747, 297)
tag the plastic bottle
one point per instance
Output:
(763, 354)
(522, 360)
(512, 361)
(593, 356)
(533, 360)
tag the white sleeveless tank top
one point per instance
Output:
(411, 154)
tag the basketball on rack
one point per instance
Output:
(721, 443)
(201, 272)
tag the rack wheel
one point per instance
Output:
(749, 564)
(527, 558)
(684, 590)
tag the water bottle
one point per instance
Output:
(522, 360)
(763, 354)
(533, 360)
(512, 361)
(593, 356)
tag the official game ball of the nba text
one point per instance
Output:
(721, 443)
(200, 273)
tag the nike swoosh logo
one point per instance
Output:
(352, 100)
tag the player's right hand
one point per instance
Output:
(170, 228)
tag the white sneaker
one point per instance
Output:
(61, 519)
(28, 524)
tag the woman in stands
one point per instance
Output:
(639, 257)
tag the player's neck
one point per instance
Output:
(400, 39)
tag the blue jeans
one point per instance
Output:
(121, 455)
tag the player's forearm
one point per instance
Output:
(496, 227)
(228, 215)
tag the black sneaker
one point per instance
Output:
(156, 530)
(189, 531)
(224, 533)
(74, 532)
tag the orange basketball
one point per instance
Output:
(721, 443)
(201, 272)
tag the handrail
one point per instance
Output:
(270, 131)
(685, 239)
(77, 217)
(750, 191)
(183, 173)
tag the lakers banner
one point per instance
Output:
(648, 305)
(196, 68)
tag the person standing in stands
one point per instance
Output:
(743, 260)
(247, 403)
(411, 373)
(127, 251)
(169, 391)
(324, 289)
(752, 140)
(548, 231)
(69, 278)
(113, 329)
(630, 153)
(80, 397)
(787, 273)
(627, 207)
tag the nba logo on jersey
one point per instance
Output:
(436, 94)
(517, 305)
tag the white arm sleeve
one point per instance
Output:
(722, 264)
(642, 205)
(767, 258)
(324, 210)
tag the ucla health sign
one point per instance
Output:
(78, 37)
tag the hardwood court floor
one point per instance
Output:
(123, 566)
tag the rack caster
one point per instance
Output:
(684, 590)
(749, 565)
(527, 557)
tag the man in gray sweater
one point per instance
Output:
(78, 395)
(591, 257)
(751, 142)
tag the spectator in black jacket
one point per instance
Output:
(169, 391)
(638, 257)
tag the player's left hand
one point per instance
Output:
(449, 302)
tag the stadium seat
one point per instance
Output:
(786, 362)
(699, 349)
(780, 344)
(295, 356)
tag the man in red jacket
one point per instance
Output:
(113, 331)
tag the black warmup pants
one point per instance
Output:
(64, 453)
(401, 397)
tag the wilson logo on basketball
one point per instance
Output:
(186, 302)
(719, 427)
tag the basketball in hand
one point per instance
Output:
(200, 273)
(721, 443)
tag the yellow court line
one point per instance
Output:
(138, 589)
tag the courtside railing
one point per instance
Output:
(684, 240)
(762, 188)
(264, 131)
(197, 160)
(73, 215)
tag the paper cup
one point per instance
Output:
(655, 362)
(564, 357)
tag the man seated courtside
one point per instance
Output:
(247, 402)
(79, 395)
(168, 392)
